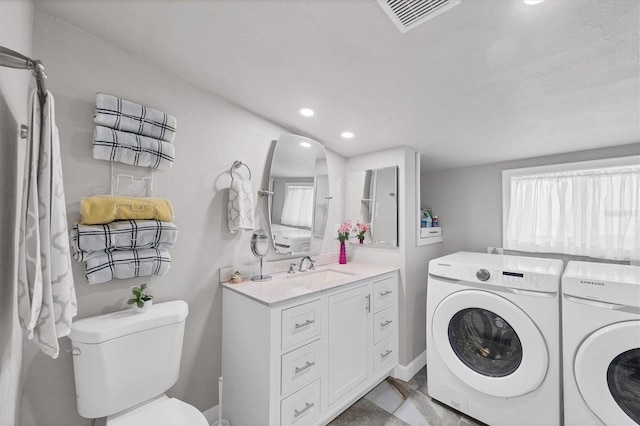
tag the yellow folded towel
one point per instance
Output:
(102, 209)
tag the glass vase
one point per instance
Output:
(343, 253)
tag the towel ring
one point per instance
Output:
(236, 165)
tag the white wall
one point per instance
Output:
(211, 134)
(411, 260)
(16, 31)
(468, 201)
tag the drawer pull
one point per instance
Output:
(307, 365)
(386, 323)
(386, 354)
(304, 324)
(384, 293)
(307, 407)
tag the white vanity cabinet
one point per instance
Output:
(305, 359)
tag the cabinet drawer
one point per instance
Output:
(303, 407)
(300, 367)
(383, 324)
(383, 294)
(384, 354)
(300, 323)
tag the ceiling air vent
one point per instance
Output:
(408, 14)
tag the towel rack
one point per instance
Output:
(142, 181)
(236, 165)
(12, 59)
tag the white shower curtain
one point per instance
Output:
(46, 294)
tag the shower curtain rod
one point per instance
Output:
(12, 59)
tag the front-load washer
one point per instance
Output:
(601, 344)
(493, 337)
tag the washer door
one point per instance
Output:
(489, 343)
(607, 371)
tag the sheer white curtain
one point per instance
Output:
(298, 206)
(586, 212)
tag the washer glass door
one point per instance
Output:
(609, 359)
(623, 378)
(490, 343)
(485, 342)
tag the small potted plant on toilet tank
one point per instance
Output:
(141, 302)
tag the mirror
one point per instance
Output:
(260, 248)
(299, 206)
(260, 243)
(372, 197)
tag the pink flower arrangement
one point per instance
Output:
(343, 231)
(361, 228)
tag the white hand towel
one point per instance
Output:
(46, 294)
(129, 148)
(121, 114)
(240, 208)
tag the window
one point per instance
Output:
(585, 209)
(298, 205)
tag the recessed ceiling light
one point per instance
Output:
(347, 135)
(307, 112)
(305, 144)
(533, 1)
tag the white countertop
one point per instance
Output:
(284, 288)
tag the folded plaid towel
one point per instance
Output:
(120, 114)
(129, 148)
(91, 241)
(100, 209)
(123, 264)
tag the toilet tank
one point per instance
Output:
(125, 358)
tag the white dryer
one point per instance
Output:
(493, 337)
(601, 344)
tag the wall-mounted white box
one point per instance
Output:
(430, 235)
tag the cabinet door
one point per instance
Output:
(348, 340)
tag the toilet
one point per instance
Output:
(123, 363)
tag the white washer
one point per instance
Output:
(493, 337)
(601, 344)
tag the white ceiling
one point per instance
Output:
(487, 81)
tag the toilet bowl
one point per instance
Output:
(124, 362)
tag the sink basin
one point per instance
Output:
(323, 276)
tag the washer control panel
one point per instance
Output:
(515, 272)
(513, 279)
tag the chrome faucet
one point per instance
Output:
(311, 263)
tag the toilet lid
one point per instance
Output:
(170, 411)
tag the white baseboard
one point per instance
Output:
(211, 414)
(405, 373)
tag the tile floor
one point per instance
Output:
(394, 402)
